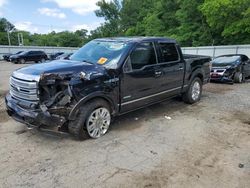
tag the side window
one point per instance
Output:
(144, 54)
(168, 52)
(244, 58)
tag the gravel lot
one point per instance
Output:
(203, 145)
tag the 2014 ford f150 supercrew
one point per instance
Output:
(105, 78)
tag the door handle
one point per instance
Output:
(158, 73)
(181, 68)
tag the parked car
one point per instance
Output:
(7, 56)
(232, 68)
(104, 79)
(64, 56)
(29, 56)
(55, 55)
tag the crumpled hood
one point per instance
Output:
(60, 66)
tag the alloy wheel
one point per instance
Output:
(196, 91)
(98, 122)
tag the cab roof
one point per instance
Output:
(137, 39)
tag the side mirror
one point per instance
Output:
(127, 67)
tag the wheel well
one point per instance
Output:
(199, 75)
(110, 103)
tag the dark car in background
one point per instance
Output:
(36, 56)
(232, 68)
(64, 56)
(55, 55)
(7, 56)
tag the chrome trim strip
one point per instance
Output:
(27, 77)
(23, 100)
(24, 89)
(143, 98)
(24, 96)
(23, 84)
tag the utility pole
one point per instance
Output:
(20, 39)
(8, 34)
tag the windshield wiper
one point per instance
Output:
(87, 61)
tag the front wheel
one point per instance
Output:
(193, 94)
(93, 120)
(238, 77)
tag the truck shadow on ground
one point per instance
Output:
(135, 119)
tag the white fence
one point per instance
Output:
(214, 51)
(46, 49)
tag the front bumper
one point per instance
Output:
(31, 116)
(13, 60)
(221, 78)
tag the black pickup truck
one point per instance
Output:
(105, 78)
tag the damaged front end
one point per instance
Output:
(43, 103)
(46, 100)
(55, 99)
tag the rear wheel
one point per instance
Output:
(22, 61)
(238, 77)
(43, 60)
(93, 120)
(193, 94)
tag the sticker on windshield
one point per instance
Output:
(102, 60)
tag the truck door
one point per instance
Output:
(172, 68)
(139, 80)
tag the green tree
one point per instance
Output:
(5, 26)
(137, 17)
(229, 18)
(110, 11)
(193, 29)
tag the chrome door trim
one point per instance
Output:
(156, 94)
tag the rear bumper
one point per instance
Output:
(32, 117)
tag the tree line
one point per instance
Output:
(190, 22)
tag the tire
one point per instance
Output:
(82, 128)
(194, 92)
(238, 77)
(21, 61)
(43, 60)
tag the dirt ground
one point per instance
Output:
(202, 145)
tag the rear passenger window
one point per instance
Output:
(143, 55)
(168, 52)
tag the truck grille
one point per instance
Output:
(24, 90)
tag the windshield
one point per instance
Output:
(227, 60)
(23, 53)
(100, 52)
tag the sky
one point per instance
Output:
(43, 16)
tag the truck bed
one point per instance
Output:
(191, 56)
